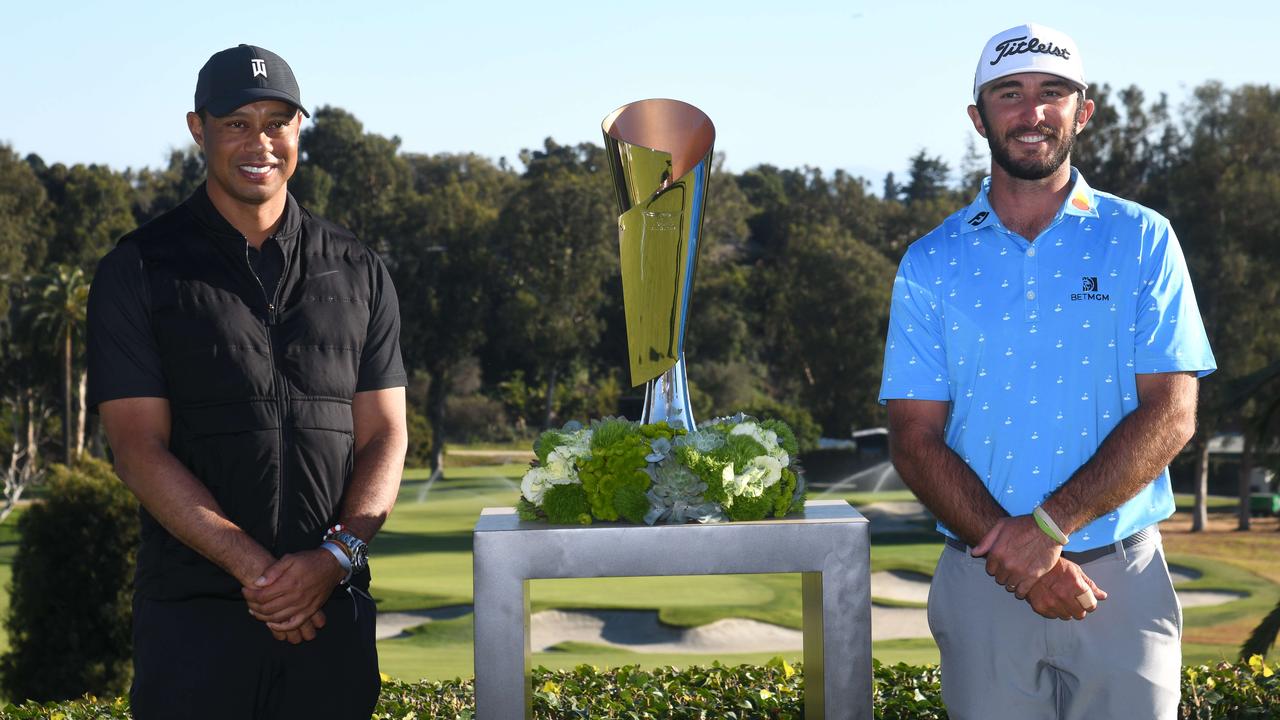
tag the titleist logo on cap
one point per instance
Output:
(1020, 45)
(1029, 48)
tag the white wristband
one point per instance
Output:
(1049, 527)
(343, 560)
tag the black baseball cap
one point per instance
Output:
(244, 74)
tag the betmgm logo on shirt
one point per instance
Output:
(1089, 290)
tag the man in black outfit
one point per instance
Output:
(244, 357)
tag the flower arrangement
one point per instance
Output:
(735, 468)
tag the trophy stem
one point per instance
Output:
(666, 397)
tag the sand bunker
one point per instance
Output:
(900, 585)
(641, 631)
(393, 624)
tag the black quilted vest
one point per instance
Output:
(260, 388)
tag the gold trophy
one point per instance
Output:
(660, 157)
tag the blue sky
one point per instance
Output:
(853, 85)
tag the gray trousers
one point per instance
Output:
(1002, 660)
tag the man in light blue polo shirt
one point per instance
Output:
(1040, 373)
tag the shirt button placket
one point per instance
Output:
(1030, 293)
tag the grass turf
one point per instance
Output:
(423, 560)
(442, 651)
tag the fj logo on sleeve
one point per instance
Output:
(259, 67)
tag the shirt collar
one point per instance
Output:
(1081, 201)
(204, 211)
(979, 213)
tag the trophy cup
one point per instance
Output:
(660, 158)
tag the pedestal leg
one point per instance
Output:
(503, 683)
(837, 637)
(815, 681)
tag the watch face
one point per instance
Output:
(359, 550)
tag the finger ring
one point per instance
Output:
(1010, 588)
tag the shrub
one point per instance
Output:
(724, 388)
(476, 418)
(69, 618)
(578, 394)
(902, 692)
(1248, 689)
(419, 427)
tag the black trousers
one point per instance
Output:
(207, 658)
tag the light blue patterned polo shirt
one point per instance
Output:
(1037, 345)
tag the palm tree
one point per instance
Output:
(1265, 634)
(61, 298)
(21, 398)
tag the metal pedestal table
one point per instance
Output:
(827, 543)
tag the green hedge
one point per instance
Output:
(902, 692)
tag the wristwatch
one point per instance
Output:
(354, 548)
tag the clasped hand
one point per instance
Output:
(1017, 553)
(1065, 593)
(289, 593)
(1029, 564)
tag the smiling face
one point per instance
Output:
(251, 153)
(1030, 121)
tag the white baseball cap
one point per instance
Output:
(1029, 48)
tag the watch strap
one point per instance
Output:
(356, 549)
(341, 554)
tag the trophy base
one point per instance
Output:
(666, 397)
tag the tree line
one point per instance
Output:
(511, 300)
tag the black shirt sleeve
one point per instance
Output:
(380, 363)
(124, 360)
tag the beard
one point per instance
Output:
(1033, 169)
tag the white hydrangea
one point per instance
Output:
(538, 481)
(560, 468)
(767, 438)
(762, 473)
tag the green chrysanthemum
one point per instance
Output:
(746, 507)
(567, 505)
(617, 461)
(661, 429)
(631, 503)
(786, 499)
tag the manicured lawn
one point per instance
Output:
(443, 650)
(423, 560)
(1185, 502)
(863, 498)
